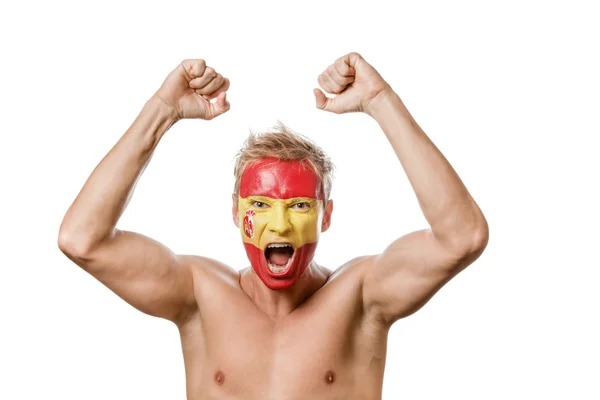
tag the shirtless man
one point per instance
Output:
(285, 328)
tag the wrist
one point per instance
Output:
(154, 120)
(382, 102)
(163, 109)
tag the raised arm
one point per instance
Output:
(414, 267)
(140, 270)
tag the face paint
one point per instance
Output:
(280, 180)
(280, 203)
(249, 223)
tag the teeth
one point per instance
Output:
(278, 270)
(273, 245)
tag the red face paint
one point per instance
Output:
(249, 224)
(278, 179)
(301, 259)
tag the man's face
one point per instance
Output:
(280, 214)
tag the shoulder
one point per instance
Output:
(349, 277)
(352, 270)
(211, 279)
(206, 269)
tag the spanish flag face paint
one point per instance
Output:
(280, 209)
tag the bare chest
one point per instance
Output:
(320, 351)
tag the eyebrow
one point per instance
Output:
(266, 199)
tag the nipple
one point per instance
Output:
(329, 377)
(219, 378)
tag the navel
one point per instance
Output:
(329, 377)
(219, 378)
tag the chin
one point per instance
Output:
(280, 277)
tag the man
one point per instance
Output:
(286, 327)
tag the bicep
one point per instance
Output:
(143, 272)
(403, 278)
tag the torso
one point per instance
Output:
(325, 349)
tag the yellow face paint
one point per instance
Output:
(296, 221)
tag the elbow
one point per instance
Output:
(75, 245)
(468, 242)
(464, 237)
(480, 237)
(82, 246)
(71, 246)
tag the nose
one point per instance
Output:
(280, 222)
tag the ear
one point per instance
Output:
(327, 216)
(235, 211)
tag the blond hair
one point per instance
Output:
(284, 144)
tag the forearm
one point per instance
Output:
(453, 215)
(95, 212)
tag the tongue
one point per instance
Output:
(279, 257)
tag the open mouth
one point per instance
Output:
(279, 257)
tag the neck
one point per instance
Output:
(280, 303)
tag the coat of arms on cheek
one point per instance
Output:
(249, 223)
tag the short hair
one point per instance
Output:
(284, 144)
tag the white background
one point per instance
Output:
(507, 90)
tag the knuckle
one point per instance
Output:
(197, 70)
(215, 83)
(345, 69)
(193, 63)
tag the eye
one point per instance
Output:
(301, 206)
(259, 204)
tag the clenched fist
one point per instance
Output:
(355, 83)
(190, 87)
